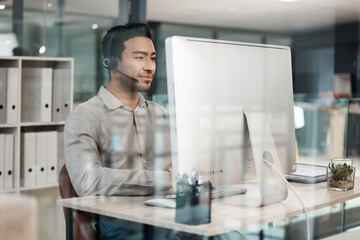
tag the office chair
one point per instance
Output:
(83, 228)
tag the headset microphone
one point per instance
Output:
(109, 64)
(134, 79)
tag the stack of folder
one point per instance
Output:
(45, 94)
(6, 161)
(45, 98)
(9, 87)
(61, 94)
(38, 166)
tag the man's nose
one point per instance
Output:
(150, 65)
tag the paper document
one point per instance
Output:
(310, 171)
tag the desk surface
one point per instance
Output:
(227, 214)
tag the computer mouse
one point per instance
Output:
(161, 202)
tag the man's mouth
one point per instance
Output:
(147, 77)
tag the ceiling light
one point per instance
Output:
(42, 49)
(2, 6)
(94, 26)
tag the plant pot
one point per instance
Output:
(340, 184)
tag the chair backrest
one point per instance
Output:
(83, 228)
(65, 186)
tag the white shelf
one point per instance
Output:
(27, 124)
(22, 189)
(28, 94)
(9, 191)
(37, 59)
(2, 125)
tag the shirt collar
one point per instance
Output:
(111, 102)
(142, 101)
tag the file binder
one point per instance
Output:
(52, 152)
(12, 95)
(57, 95)
(28, 157)
(61, 155)
(2, 160)
(9, 162)
(61, 94)
(3, 77)
(36, 94)
(66, 93)
(41, 156)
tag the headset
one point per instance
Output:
(110, 62)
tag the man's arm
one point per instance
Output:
(87, 174)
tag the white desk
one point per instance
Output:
(226, 214)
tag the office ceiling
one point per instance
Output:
(258, 15)
(263, 15)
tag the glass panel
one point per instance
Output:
(77, 36)
(323, 222)
(351, 213)
(164, 31)
(352, 149)
(276, 40)
(320, 128)
(241, 37)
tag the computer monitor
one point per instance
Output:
(215, 88)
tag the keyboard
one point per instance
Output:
(223, 191)
(228, 191)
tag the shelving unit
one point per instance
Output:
(31, 95)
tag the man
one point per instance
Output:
(115, 143)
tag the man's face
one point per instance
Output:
(138, 61)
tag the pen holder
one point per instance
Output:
(193, 203)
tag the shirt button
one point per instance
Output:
(145, 161)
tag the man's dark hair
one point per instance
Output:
(113, 42)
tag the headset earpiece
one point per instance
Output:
(110, 62)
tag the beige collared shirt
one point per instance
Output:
(111, 150)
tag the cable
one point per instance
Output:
(297, 196)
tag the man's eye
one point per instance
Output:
(153, 58)
(139, 58)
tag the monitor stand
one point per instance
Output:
(272, 187)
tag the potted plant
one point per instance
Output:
(340, 176)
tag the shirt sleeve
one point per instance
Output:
(89, 177)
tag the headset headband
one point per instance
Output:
(109, 61)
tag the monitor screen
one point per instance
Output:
(211, 84)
